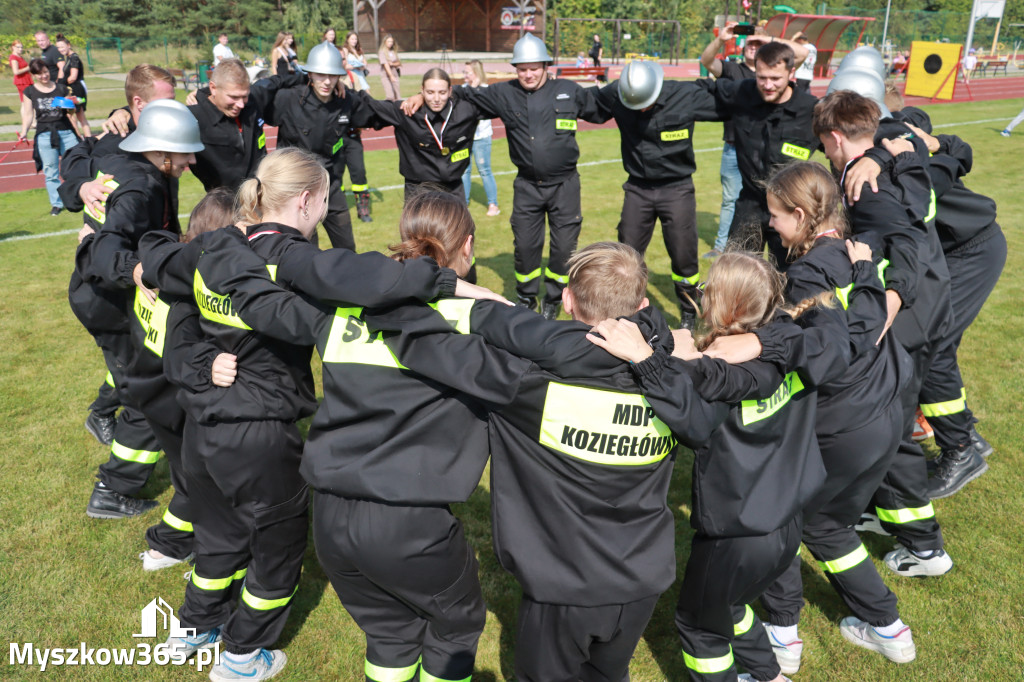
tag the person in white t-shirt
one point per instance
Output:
(805, 73)
(221, 51)
(970, 63)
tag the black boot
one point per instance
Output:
(955, 469)
(101, 427)
(528, 302)
(687, 320)
(363, 206)
(549, 311)
(110, 504)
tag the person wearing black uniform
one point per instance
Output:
(433, 145)
(395, 554)
(655, 119)
(81, 190)
(771, 119)
(231, 115)
(145, 199)
(859, 420)
(315, 118)
(897, 223)
(580, 469)
(975, 251)
(356, 164)
(540, 116)
(759, 470)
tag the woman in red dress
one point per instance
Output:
(19, 67)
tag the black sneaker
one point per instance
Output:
(109, 504)
(955, 469)
(687, 320)
(980, 445)
(101, 427)
(550, 311)
(55, 211)
(529, 303)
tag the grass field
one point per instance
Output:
(66, 579)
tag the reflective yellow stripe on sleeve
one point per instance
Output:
(882, 266)
(213, 306)
(526, 277)
(843, 294)
(379, 673)
(845, 563)
(708, 665)
(129, 455)
(176, 523)
(456, 311)
(100, 216)
(944, 409)
(109, 380)
(755, 410)
(212, 584)
(261, 604)
(744, 625)
(906, 515)
(931, 208)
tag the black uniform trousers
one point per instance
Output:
(750, 229)
(855, 462)
(901, 501)
(713, 618)
(531, 202)
(561, 643)
(408, 577)
(107, 401)
(974, 270)
(676, 206)
(173, 535)
(135, 449)
(354, 161)
(250, 504)
(338, 223)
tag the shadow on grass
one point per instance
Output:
(15, 233)
(501, 591)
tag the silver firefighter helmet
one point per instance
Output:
(165, 125)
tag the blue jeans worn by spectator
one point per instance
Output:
(482, 156)
(51, 161)
(732, 182)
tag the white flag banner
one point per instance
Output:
(989, 9)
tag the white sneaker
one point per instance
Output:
(262, 666)
(152, 563)
(904, 562)
(182, 648)
(869, 523)
(898, 649)
(787, 654)
(1004, 133)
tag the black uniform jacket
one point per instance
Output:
(898, 222)
(540, 124)
(274, 380)
(657, 144)
(875, 375)
(147, 383)
(580, 465)
(76, 166)
(144, 200)
(762, 465)
(420, 157)
(766, 135)
(235, 146)
(316, 126)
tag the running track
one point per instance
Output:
(17, 171)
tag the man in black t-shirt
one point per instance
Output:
(51, 55)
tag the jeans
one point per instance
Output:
(51, 161)
(732, 181)
(482, 156)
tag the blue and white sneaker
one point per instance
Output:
(262, 666)
(183, 648)
(899, 648)
(786, 653)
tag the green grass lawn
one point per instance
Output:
(66, 579)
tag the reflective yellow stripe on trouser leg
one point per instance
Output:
(708, 665)
(742, 627)
(379, 673)
(212, 584)
(521, 277)
(176, 523)
(845, 562)
(946, 408)
(129, 455)
(906, 515)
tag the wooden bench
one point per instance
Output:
(994, 64)
(186, 79)
(583, 73)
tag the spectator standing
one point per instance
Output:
(50, 56)
(331, 36)
(69, 73)
(970, 63)
(221, 51)
(475, 77)
(390, 68)
(355, 61)
(805, 74)
(19, 68)
(282, 55)
(597, 50)
(55, 133)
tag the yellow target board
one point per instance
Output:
(933, 69)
